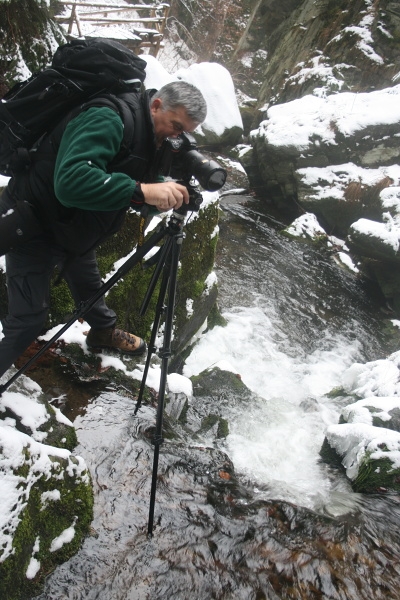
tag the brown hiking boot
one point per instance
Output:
(115, 339)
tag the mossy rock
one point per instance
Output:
(377, 475)
(330, 456)
(51, 490)
(215, 392)
(215, 421)
(54, 430)
(220, 384)
(375, 472)
(51, 517)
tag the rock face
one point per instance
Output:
(333, 153)
(343, 167)
(335, 150)
(328, 47)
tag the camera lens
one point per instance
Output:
(208, 173)
(215, 180)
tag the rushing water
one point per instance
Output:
(275, 523)
(296, 321)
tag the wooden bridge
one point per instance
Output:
(142, 24)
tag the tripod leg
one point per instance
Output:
(158, 312)
(163, 253)
(165, 355)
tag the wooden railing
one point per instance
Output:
(146, 30)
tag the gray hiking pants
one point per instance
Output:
(29, 269)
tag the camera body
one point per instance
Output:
(180, 159)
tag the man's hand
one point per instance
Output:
(166, 195)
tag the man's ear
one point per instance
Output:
(156, 104)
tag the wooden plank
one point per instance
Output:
(119, 6)
(120, 21)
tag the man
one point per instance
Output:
(81, 183)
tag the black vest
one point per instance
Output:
(76, 230)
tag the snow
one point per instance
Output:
(332, 181)
(375, 378)
(388, 233)
(355, 441)
(306, 226)
(314, 118)
(377, 384)
(215, 83)
(179, 384)
(364, 410)
(65, 537)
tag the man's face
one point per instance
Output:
(169, 123)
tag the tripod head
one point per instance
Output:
(195, 199)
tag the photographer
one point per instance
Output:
(80, 184)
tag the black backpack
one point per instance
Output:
(80, 71)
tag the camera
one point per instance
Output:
(188, 162)
(181, 160)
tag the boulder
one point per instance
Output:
(366, 442)
(369, 455)
(46, 493)
(223, 125)
(326, 133)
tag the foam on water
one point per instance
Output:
(276, 441)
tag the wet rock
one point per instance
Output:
(213, 533)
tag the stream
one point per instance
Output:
(256, 515)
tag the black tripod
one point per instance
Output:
(167, 263)
(167, 260)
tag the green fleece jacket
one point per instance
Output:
(89, 143)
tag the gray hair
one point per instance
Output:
(181, 93)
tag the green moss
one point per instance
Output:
(46, 522)
(335, 393)
(183, 414)
(197, 260)
(59, 435)
(223, 428)
(374, 475)
(210, 421)
(215, 318)
(61, 303)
